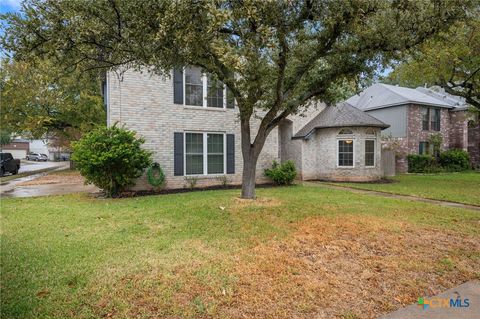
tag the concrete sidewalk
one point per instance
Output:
(31, 166)
(398, 196)
(469, 290)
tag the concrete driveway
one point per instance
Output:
(31, 166)
(16, 187)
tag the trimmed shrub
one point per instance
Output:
(455, 160)
(422, 164)
(111, 158)
(282, 174)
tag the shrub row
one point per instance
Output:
(454, 160)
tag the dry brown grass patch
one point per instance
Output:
(70, 177)
(258, 202)
(331, 267)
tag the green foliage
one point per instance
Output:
(111, 158)
(422, 164)
(224, 180)
(5, 137)
(436, 140)
(155, 175)
(455, 160)
(40, 98)
(451, 60)
(191, 181)
(282, 174)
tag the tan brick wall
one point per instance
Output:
(144, 103)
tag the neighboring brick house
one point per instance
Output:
(191, 125)
(414, 115)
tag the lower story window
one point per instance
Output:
(423, 148)
(204, 153)
(369, 152)
(345, 153)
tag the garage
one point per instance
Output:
(18, 148)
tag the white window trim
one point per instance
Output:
(338, 149)
(205, 93)
(374, 151)
(205, 153)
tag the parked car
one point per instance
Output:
(36, 157)
(65, 157)
(45, 156)
(9, 164)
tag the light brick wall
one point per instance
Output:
(144, 103)
(319, 156)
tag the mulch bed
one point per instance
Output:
(139, 193)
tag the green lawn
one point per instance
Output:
(456, 187)
(296, 252)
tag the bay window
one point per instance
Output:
(345, 153)
(204, 153)
(369, 152)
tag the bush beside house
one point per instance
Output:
(282, 174)
(111, 158)
(454, 160)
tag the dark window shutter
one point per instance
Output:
(230, 154)
(178, 86)
(230, 99)
(178, 154)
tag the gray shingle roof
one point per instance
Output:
(340, 115)
(383, 95)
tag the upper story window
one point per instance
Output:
(204, 90)
(435, 119)
(193, 86)
(370, 131)
(430, 119)
(425, 118)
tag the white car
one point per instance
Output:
(37, 157)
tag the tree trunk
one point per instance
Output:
(249, 176)
(250, 154)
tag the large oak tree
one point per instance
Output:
(40, 99)
(451, 60)
(275, 56)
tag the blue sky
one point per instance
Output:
(9, 5)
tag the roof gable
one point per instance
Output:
(383, 95)
(340, 115)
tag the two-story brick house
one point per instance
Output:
(190, 123)
(415, 115)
